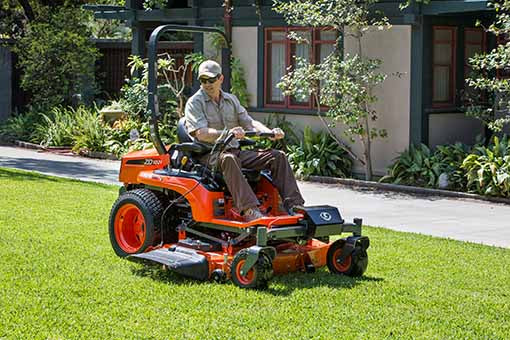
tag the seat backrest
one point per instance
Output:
(182, 133)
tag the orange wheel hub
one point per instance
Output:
(130, 229)
(246, 279)
(345, 265)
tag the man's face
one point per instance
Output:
(212, 86)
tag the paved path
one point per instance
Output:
(460, 219)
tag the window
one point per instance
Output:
(443, 66)
(474, 43)
(279, 53)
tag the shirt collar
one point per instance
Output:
(208, 99)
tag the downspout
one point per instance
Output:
(226, 53)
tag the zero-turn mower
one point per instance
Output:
(175, 211)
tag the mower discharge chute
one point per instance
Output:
(175, 211)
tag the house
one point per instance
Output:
(428, 44)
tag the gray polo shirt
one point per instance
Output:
(202, 112)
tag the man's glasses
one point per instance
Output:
(209, 80)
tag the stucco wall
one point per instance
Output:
(393, 47)
(244, 47)
(447, 128)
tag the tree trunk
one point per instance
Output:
(367, 146)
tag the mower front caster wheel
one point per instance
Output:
(354, 264)
(257, 277)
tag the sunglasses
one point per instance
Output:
(209, 80)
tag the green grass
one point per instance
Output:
(59, 279)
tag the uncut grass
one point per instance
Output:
(59, 279)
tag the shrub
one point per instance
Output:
(291, 138)
(488, 169)
(318, 154)
(57, 57)
(416, 166)
(450, 158)
(90, 132)
(21, 126)
(56, 129)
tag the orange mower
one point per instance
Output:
(177, 212)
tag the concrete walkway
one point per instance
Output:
(460, 219)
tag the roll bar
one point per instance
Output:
(152, 106)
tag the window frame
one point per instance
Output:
(453, 66)
(315, 44)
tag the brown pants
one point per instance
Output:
(231, 162)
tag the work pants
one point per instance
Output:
(231, 161)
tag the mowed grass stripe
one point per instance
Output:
(59, 279)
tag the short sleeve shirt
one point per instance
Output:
(202, 112)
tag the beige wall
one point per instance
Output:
(448, 128)
(393, 47)
(244, 47)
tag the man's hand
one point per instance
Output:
(238, 132)
(278, 134)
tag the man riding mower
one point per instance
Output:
(179, 207)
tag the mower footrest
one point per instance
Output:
(181, 260)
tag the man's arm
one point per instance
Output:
(208, 135)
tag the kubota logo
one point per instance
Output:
(325, 216)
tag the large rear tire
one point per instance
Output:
(135, 222)
(354, 264)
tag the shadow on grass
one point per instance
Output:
(280, 285)
(28, 175)
(73, 168)
(24, 176)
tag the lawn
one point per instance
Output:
(59, 279)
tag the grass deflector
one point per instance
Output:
(175, 211)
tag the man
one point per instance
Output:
(208, 113)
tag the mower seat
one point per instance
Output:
(188, 143)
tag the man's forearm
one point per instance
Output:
(208, 135)
(259, 126)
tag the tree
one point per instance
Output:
(489, 98)
(55, 53)
(342, 83)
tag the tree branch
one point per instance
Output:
(29, 13)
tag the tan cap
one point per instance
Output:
(209, 68)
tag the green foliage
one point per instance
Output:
(132, 134)
(488, 169)
(450, 158)
(134, 95)
(416, 166)
(21, 125)
(318, 154)
(482, 169)
(420, 166)
(291, 138)
(493, 107)
(149, 5)
(57, 58)
(238, 85)
(90, 132)
(57, 128)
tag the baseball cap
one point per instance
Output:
(209, 68)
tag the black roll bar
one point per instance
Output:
(152, 106)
